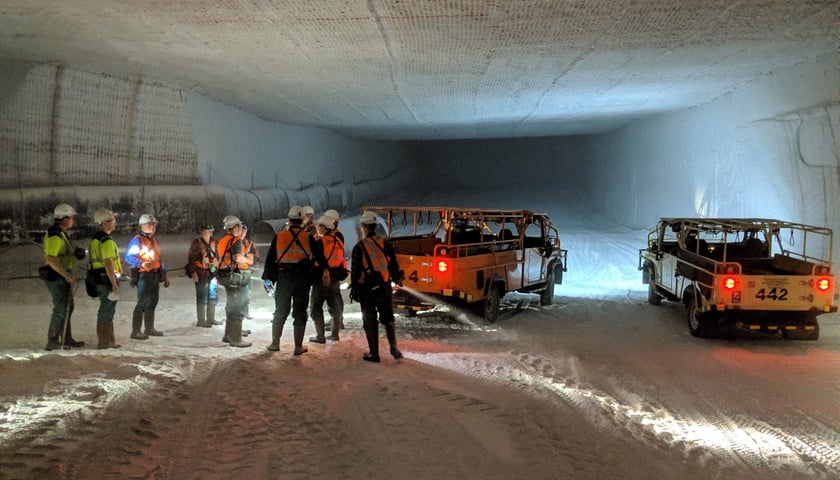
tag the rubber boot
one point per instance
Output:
(211, 315)
(391, 333)
(201, 315)
(103, 340)
(334, 330)
(276, 330)
(149, 323)
(373, 346)
(136, 322)
(227, 336)
(53, 339)
(69, 341)
(299, 331)
(236, 334)
(319, 331)
(112, 342)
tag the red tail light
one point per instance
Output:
(729, 282)
(823, 284)
(442, 266)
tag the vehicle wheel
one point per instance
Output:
(490, 306)
(800, 334)
(653, 297)
(700, 324)
(547, 295)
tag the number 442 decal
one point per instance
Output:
(774, 294)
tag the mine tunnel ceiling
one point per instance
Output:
(432, 69)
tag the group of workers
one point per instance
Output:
(304, 268)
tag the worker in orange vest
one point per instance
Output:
(288, 268)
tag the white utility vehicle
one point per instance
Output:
(747, 273)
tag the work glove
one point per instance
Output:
(79, 253)
(400, 279)
(269, 287)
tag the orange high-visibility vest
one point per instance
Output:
(149, 252)
(206, 251)
(285, 242)
(333, 250)
(226, 257)
(374, 247)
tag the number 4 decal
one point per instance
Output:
(774, 294)
(413, 277)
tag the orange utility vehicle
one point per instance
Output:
(747, 273)
(471, 256)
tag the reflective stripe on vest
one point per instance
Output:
(286, 240)
(377, 256)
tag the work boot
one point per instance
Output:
(53, 339)
(226, 337)
(336, 322)
(112, 342)
(299, 331)
(373, 346)
(69, 341)
(276, 330)
(368, 357)
(102, 337)
(149, 323)
(236, 334)
(319, 331)
(136, 322)
(211, 315)
(391, 334)
(201, 315)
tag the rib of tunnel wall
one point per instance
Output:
(140, 146)
(177, 208)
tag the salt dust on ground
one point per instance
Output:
(599, 385)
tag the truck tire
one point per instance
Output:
(801, 334)
(490, 305)
(700, 324)
(547, 295)
(653, 297)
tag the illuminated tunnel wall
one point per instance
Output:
(768, 149)
(140, 146)
(771, 149)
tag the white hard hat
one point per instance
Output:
(326, 221)
(231, 221)
(62, 210)
(147, 218)
(332, 213)
(308, 210)
(295, 213)
(367, 218)
(103, 215)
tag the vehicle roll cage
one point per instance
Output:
(447, 218)
(688, 232)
